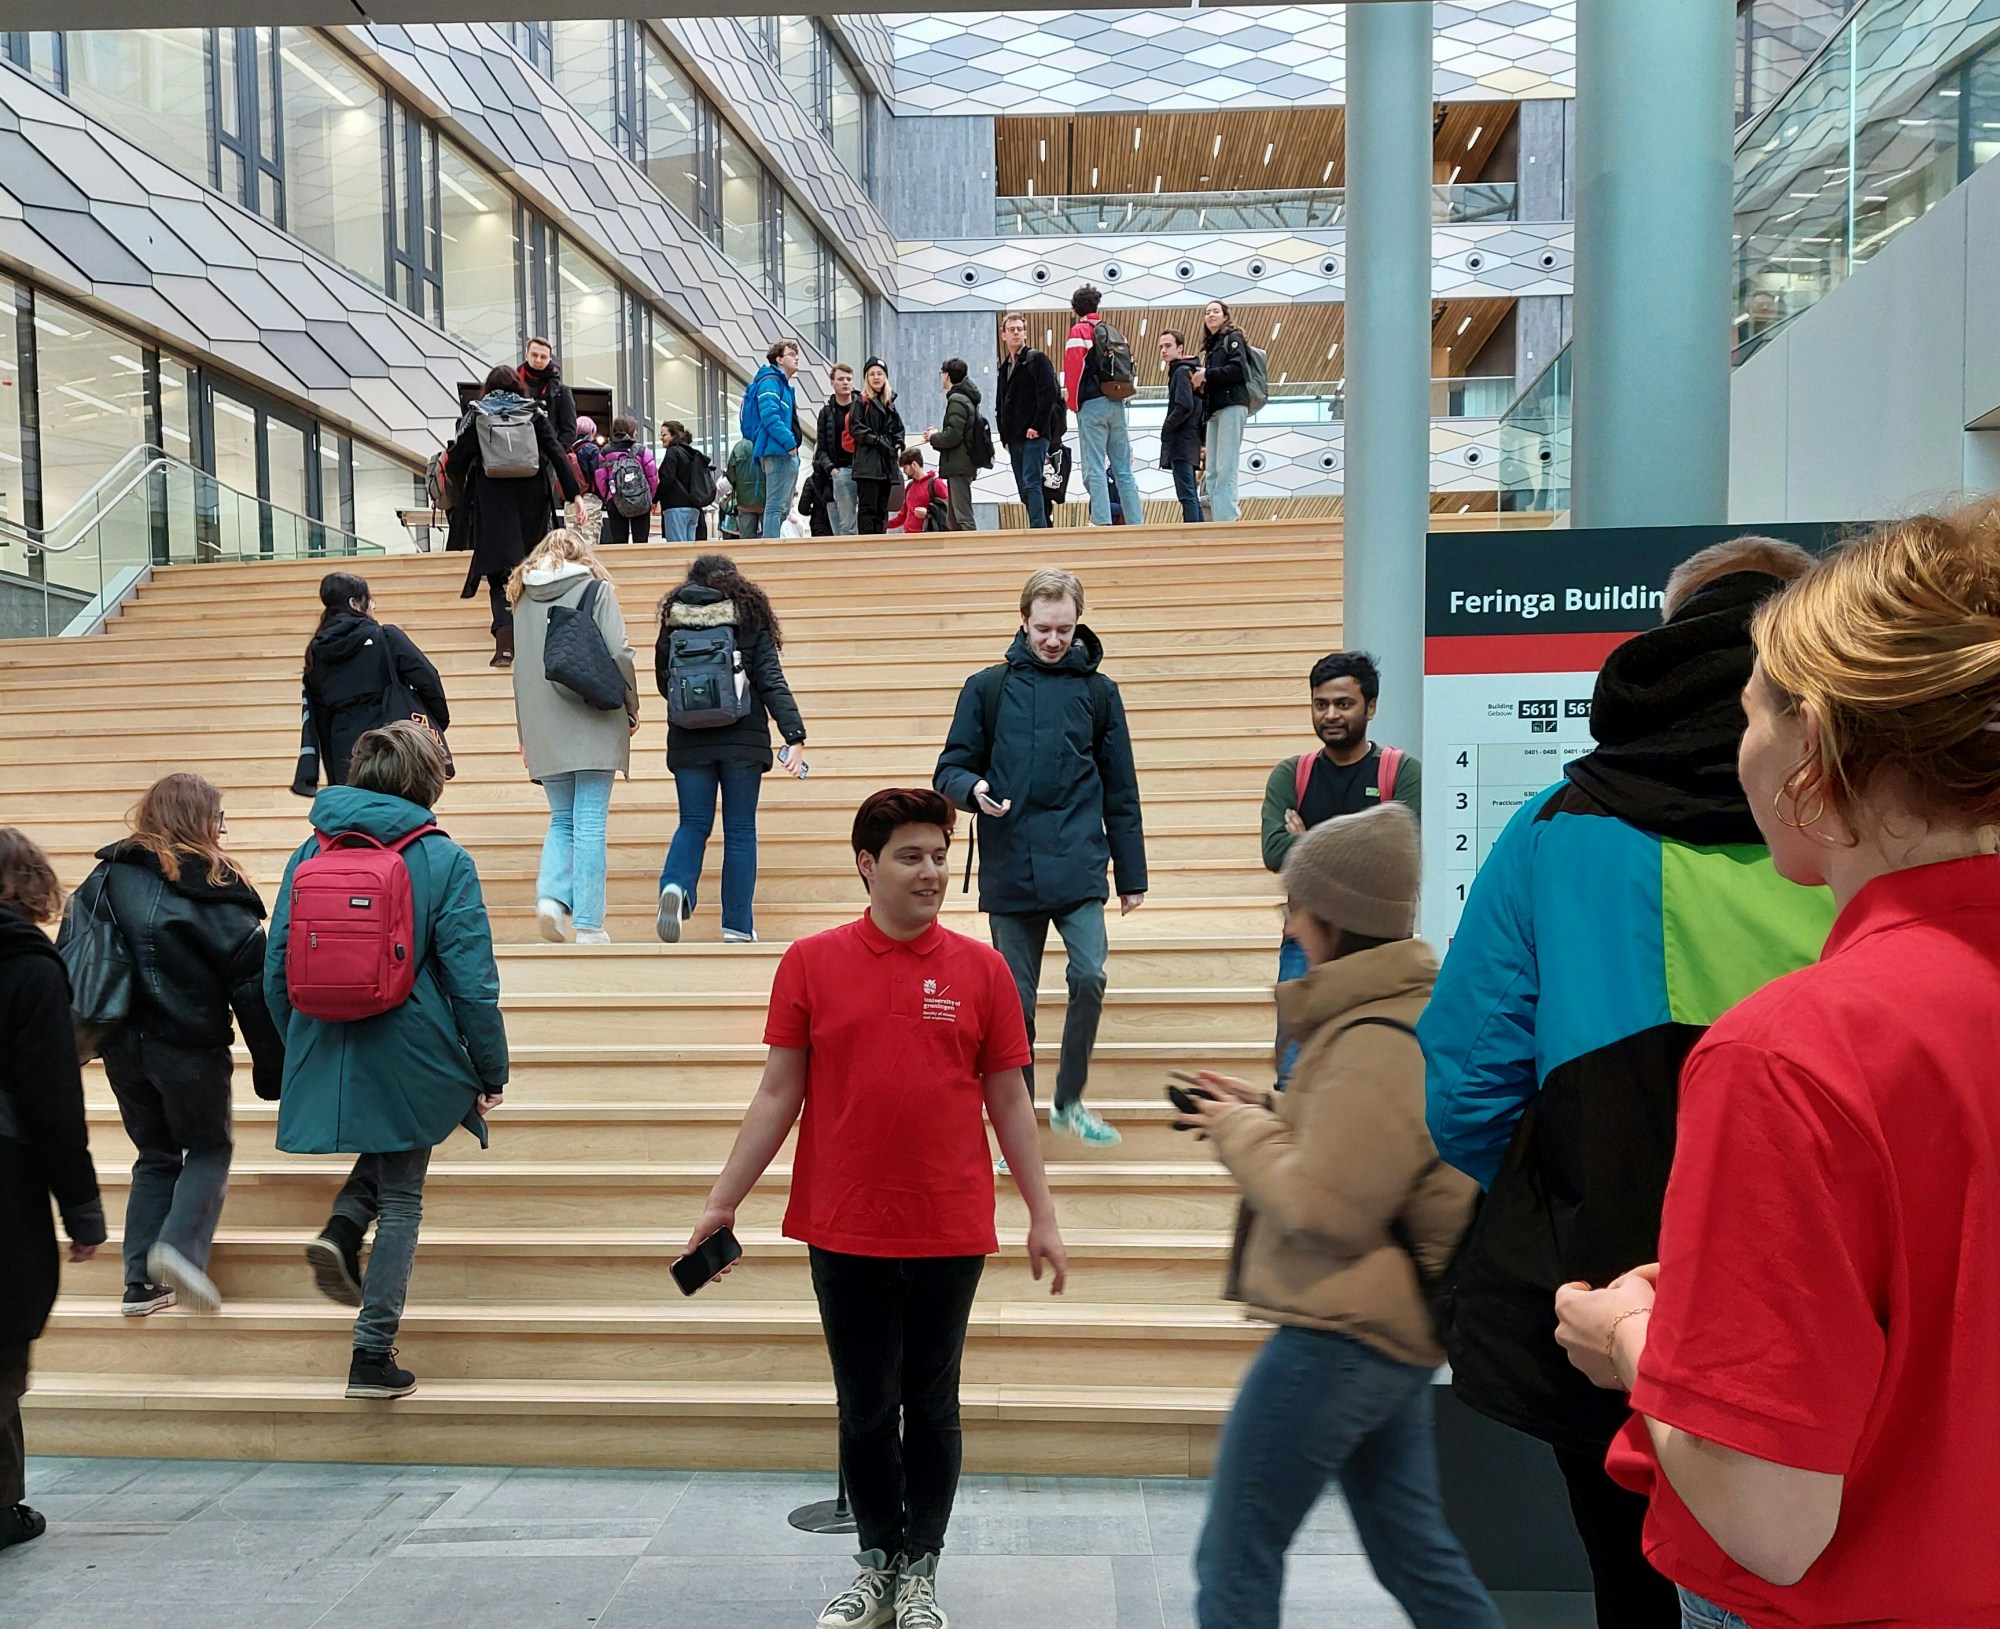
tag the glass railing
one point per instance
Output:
(1900, 105)
(1304, 209)
(1534, 442)
(1324, 401)
(149, 509)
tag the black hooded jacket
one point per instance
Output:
(545, 388)
(352, 666)
(197, 952)
(44, 1138)
(748, 740)
(1074, 788)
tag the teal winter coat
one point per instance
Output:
(404, 1079)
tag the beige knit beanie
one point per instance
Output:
(1360, 872)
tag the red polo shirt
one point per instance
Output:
(1830, 1263)
(892, 1156)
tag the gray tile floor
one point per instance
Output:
(213, 1545)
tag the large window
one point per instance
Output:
(481, 300)
(745, 218)
(374, 487)
(850, 318)
(806, 293)
(13, 471)
(676, 380)
(801, 56)
(90, 401)
(674, 119)
(586, 72)
(151, 86)
(847, 113)
(41, 52)
(590, 303)
(333, 135)
(822, 82)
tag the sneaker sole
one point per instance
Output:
(195, 1288)
(145, 1309)
(885, 1613)
(667, 924)
(550, 927)
(330, 1273)
(381, 1393)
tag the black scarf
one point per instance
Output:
(1667, 717)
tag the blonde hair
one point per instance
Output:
(181, 815)
(400, 760)
(1772, 556)
(28, 884)
(1051, 584)
(566, 545)
(1894, 643)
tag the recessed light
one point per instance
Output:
(1472, 140)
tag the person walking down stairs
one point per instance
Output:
(575, 744)
(44, 1149)
(194, 928)
(406, 1065)
(716, 662)
(1040, 752)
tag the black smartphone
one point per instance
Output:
(1185, 1101)
(700, 1265)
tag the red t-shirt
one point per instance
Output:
(1830, 1263)
(892, 1157)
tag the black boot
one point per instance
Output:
(335, 1257)
(375, 1374)
(18, 1524)
(503, 647)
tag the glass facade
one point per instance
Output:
(822, 82)
(744, 215)
(591, 309)
(676, 381)
(375, 488)
(90, 401)
(847, 114)
(334, 129)
(13, 471)
(481, 301)
(674, 117)
(586, 72)
(149, 84)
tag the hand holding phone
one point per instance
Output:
(1188, 1098)
(983, 795)
(707, 1261)
(792, 757)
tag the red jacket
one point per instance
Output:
(917, 498)
(1082, 335)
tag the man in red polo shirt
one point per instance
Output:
(899, 1039)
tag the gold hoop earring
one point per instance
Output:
(1778, 810)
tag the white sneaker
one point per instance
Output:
(736, 936)
(867, 1602)
(592, 936)
(916, 1596)
(197, 1291)
(553, 919)
(673, 909)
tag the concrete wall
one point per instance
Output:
(1885, 396)
(1541, 328)
(934, 177)
(916, 342)
(1546, 132)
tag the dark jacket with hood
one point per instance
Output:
(679, 464)
(1180, 430)
(1226, 371)
(351, 665)
(1074, 787)
(830, 454)
(952, 440)
(1619, 914)
(878, 433)
(748, 740)
(197, 952)
(1028, 397)
(509, 515)
(545, 388)
(44, 1139)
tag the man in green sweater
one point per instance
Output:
(1349, 773)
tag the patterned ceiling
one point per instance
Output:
(1220, 57)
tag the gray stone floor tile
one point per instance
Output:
(409, 1591)
(1049, 1592)
(538, 1494)
(1048, 1516)
(729, 1515)
(1175, 1511)
(1321, 1592)
(732, 1592)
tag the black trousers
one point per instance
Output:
(618, 528)
(496, 596)
(895, 1330)
(1609, 1519)
(871, 507)
(13, 1450)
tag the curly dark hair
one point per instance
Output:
(718, 571)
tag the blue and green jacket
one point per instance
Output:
(1612, 923)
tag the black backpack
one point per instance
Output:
(706, 689)
(700, 478)
(979, 441)
(1111, 362)
(630, 495)
(937, 513)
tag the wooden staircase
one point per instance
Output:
(542, 1323)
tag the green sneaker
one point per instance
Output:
(1085, 1125)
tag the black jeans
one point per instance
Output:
(1610, 1520)
(871, 499)
(174, 1101)
(13, 1450)
(895, 1330)
(496, 596)
(619, 528)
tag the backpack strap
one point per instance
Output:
(1302, 774)
(1385, 772)
(1100, 711)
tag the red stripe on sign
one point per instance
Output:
(1520, 653)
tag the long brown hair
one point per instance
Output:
(718, 571)
(28, 883)
(181, 817)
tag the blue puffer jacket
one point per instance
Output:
(771, 413)
(407, 1078)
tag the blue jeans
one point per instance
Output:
(1225, 456)
(1315, 1408)
(388, 1190)
(573, 853)
(781, 485)
(846, 503)
(677, 525)
(1188, 490)
(1697, 1613)
(1292, 964)
(1020, 939)
(1030, 459)
(1103, 438)
(696, 790)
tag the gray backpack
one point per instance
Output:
(1256, 377)
(508, 446)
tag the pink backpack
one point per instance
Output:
(350, 952)
(1385, 774)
